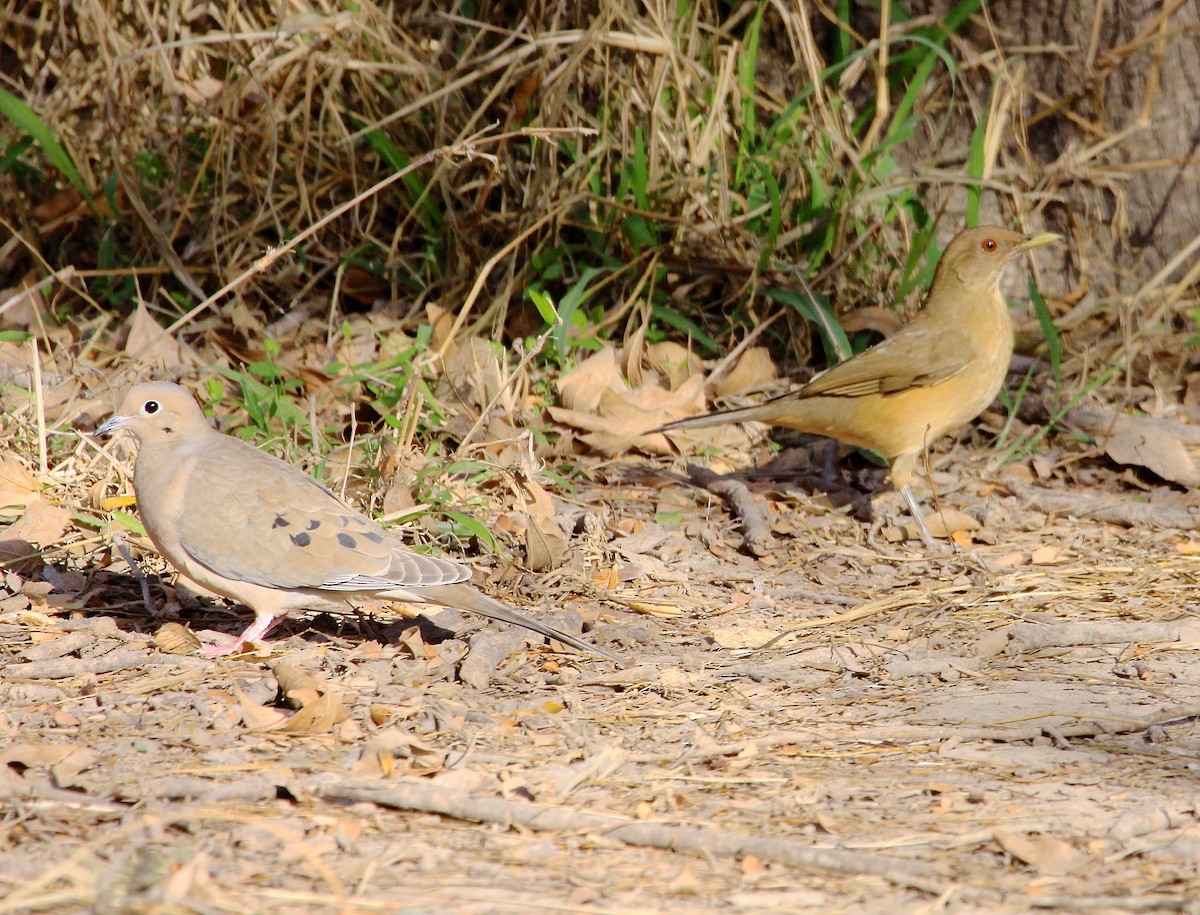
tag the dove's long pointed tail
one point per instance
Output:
(464, 597)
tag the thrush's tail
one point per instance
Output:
(465, 597)
(719, 418)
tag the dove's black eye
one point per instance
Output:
(150, 407)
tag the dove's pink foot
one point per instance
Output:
(255, 631)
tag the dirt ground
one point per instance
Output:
(1005, 728)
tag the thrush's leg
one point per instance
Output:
(930, 544)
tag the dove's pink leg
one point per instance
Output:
(260, 627)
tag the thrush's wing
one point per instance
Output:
(915, 357)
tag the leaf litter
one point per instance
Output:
(964, 722)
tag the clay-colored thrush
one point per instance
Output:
(934, 375)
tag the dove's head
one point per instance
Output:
(156, 410)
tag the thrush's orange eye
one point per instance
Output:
(989, 245)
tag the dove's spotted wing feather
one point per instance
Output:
(265, 522)
(253, 528)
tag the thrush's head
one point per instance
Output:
(156, 410)
(975, 258)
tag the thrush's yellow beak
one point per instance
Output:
(1036, 241)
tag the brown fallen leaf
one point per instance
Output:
(17, 486)
(742, 636)
(67, 770)
(258, 717)
(37, 755)
(545, 544)
(1047, 855)
(42, 523)
(164, 351)
(64, 761)
(392, 750)
(545, 539)
(946, 522)
(622, 418)
(474, 376)
(175, 638)
(1047, 555)
(318, 717)
(299, 686)
(1147, 444)
(581, 388)
(753, 370)
(674, 361)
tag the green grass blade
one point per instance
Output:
(747, 66)
(383, 146)
(975, 164)
(833, 338)
(29, 123)
(1046, 320)
(1026, 446)
(462, 524)
(685, 325)
(775, 200)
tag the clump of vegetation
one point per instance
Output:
(311, 216)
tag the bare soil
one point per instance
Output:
(1007, 727)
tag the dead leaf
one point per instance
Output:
(474, 375)
(545, 544)
(678, 678)
(1047, 555)
(17, 486)
(873, 318)
(742, 636)
(66, 771)
(316, 718)
(200, 91)
(945, 522)
(299, 686)
(37, 755)
(258, 717)
(147, 340)
(193, 880)
(1147, 444)
(1045, 854)
(537, 501)
(754, 369)
(175, 638)
(631, 357)
(582, 387)
(753, 866)
(380, 755)
(42, 523)
(380, 714)
(397, 497)
(25, 303)
(17, 552)
(675, 361)
(441, 321)
(621, 418)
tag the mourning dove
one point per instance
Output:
(256, 530)
(934, 375)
